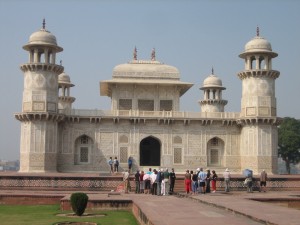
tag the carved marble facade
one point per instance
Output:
(145, 121)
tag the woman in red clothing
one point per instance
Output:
(214, 181)
(187, 182)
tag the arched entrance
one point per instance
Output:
(150, 152)
(215, 152)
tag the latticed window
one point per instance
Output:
(177, 156)
(214, 156)
(146, 105)
(214, 142)
(177, 140)
(125, 104)
(84, 145)
(84, 154)
(123, 154)
(84, 139)
(166, 105)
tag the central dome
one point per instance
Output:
(146, 69)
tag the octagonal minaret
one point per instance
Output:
(40, 117)
(212, 87)
(258, 79)
(258, 107)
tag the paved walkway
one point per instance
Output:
(219, 208)
(234, 208)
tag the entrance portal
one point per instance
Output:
(150, 152)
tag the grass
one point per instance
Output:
(47, 215)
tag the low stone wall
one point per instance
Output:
(101, 204)
(29, 199)
(86, 182)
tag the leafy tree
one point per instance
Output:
(289, 141)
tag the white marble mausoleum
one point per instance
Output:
(145, 121)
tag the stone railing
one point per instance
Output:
(158, 114)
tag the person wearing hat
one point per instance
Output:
(227, 177)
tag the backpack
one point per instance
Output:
(117, 162)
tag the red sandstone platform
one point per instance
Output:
(236, 207)
(214, 208)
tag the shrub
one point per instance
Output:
(79, 202)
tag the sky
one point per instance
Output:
(192, 35)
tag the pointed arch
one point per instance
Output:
(83, 149)
(215, 152)
(150, 150)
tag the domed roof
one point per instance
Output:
(212, 81)
(64, 78)
(146, 69)
(42, 37)
(258, 44)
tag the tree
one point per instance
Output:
(79, 202)
(289, 141)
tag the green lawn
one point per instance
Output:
(47, 215)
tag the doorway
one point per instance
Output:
(150, 152)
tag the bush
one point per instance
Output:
(79, 202)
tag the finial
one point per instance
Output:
(212, 70)
(135, 53)
(153, 54)
(257, 31)
(44, 24)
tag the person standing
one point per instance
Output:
(137, 182)
(172, 180)
(194, 182)
(227, 177)
(207, 181)
(249, 182)
(126, 181)
(187, 182)
(116, 164)
(153, 182)
(142, 182)
(214, 181)
(147, 181)
(166, 183)
(159, 179)
(202, 178)
(263, 181)
(110, 163)
(129, 163)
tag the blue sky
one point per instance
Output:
(190, 35)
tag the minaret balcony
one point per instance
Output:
(58, 69)
(213, 102)
(26, 117)
(258, 73)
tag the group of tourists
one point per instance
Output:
(249, 181)
(200, 181)
(161, 182)
(113, 164)
(156, 182)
